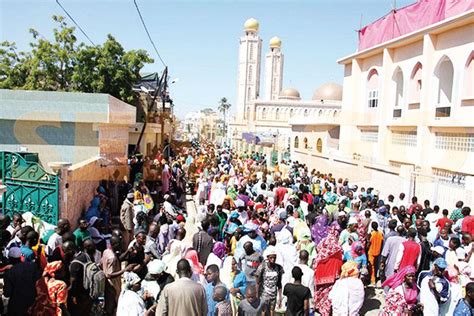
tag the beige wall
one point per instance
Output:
(79, 183)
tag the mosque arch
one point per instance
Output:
(297, 142)
(468, 90)
(373, 88)
(319, 145)
(416, 84)
(305, 142)
(277, 114)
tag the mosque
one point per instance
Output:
(265, 123)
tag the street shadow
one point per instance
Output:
(371, 302)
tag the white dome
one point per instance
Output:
(328, 91)
(290, 94)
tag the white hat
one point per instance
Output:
(156, 267)
(130, 195)
(166, 196)
(352, 220)
(438, 249)
(239, 203)
(271, 250)
(341, 213)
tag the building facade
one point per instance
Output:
(264, 123)
(406, 120)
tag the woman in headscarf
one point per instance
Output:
(357, 254)
(319, 229)
(172, 258)
(326, 268)
(217, 254)
(51, 292)
(130, 303)
(305, 243)
(196, 266)
(402, 295)
(452, 275)
(165, 177)
(347, 294)
(235, 280)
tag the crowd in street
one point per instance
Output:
(261, 241)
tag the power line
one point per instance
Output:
(74, 21)
(148, 33)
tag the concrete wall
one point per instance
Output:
(390, 180)
(79, 183)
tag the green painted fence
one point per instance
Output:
(29, 188)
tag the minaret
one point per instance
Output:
(273, 70)
(250, 53)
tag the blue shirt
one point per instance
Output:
(360, 260)
(463, 309)
(211, 304)
(27, 253)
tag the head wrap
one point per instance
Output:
(349, 269)
(355, 248)
(441, 263)
(131, 279)
(192, 257)
(271, 250)
(219, 249)
(51, 268)
(156, 267)
(398, 278)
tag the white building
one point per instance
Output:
(407, 110)
(265, 124)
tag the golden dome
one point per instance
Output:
(275, 42)
(251, 25)
(328, 91)
(289, 94)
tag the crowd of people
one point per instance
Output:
(261, 241)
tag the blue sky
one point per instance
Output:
(198, 39)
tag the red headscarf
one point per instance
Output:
(192, 256)
(52, 267)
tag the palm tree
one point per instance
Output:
(223, 108)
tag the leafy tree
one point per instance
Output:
(224, 106)
(66, 65)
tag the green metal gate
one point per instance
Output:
(29, 188)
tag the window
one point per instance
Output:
(251, 52)
(249, 94)
(297, 142)
(250, 73)
(292, 112)
(373, 89)
(264, 113)
(469, 78)
(247, 113)
(305, 113)
(454, 141)
(305, 141)
(320, 113)
(415, 85)
(404, 138)
(445, 75)
(398, 88)
(277, 114)
(319, 145)
(450, 177)
(369, 135)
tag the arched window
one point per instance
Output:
(264, 114)
(297, 142)
(319, 145)
(305, 141)
(398, 87)
(249, 94)
(415, 84)
(445, 75)
(247, 113)
(320, 113)
(292, 112)
(373, 89)
(277, 114)
(250, 73)
(468, 92)
(305, 113)
(397, 80)
(334, 114)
